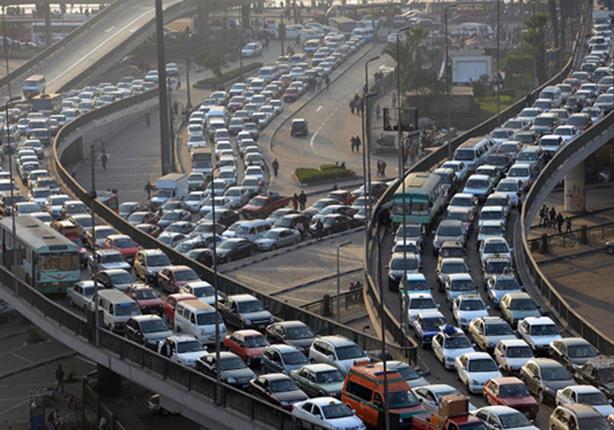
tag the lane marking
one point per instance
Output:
(133, 29)
(109, 29)
(319, 108)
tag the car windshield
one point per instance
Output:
(450, 230)
(402, 399)
(122, 278)
(112, 258)
(158, 260)
(495, 248)
(232, 363)
(349, 352)
(464, 154)
(250, 306)
(518, 172)
(498, 330)
(124, 243)
(426, 303)
(555, 373)
(186, 275)
(302, 332)
(431, 324)
(404, 264)
(462, 285)
(189, 346)
(153, 326)
(145, 294)
(523, 305)
(458, 215)
(409, 231)
(126, 309)
(417, 285)
(462, 201)
(581, 351)
(255, 341)
(594, 423)
(507, 186)
(492, 230)
(543, 330)
(336, 410)
(514, 420)
(519, 352)
(207, 318)
(283, 385)
(295, 357)
(477, 183)
(513, 390)
(457, 342)
(329, 377)
(471, 305)
(204, 291)
(482, 365)
(596, 398)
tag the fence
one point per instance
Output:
(92, 400)
(327, 305)
(585, 235)
(372, 288)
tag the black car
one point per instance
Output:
(234, 249)
(295, 333)
(233, 370)
(223, 216)
(119, 279)
(173, 216)
(202, 255)
(333, 223)
(299, 128)
(502, 161)
(147, 330)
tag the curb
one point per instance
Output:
(40, 363)
(314, 281)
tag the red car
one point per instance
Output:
(124, 244)
(512, 392)
(172, 278)
(171, 304)
(146, 297)
(247, 344)
(263, 205)
(344, 197)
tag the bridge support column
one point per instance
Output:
(575, 190)
(245, 15)
(202, 24)
(109, 382)
(47, 16)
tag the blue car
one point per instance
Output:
(426, 325)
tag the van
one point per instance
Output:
(253, 230)
(472, 151)
(217, 112)
(196, 318)
(33, 86)
(363, 391)
(116, 308)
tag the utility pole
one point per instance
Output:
(165, 152)
(6, 50)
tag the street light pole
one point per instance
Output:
(498, 83)
(8, 144)
(218, 392)
(188, 64)
(93, 244)
(6, 50)
(165, 154)
(367, 124)
(338, 305)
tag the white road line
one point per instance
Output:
(319, 108)
(76, 63)
(133, 29)
(109, 29)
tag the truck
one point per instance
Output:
(453, 413)
(170, 186)
(33, 86)
(202, 161)
(262, 206)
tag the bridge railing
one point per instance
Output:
(564, 309)
(371, 289)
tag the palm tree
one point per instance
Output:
(408, 51)
(535, 39)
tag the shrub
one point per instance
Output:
(326, 172)
(229, 75)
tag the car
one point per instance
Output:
(147, 264)
(598, 372)
(106, 259)
(516, 306)
(463, 201)
(538, 332)
(245, 311)
(572, 351)
(171, 303)
(124, 244)
(451, 250)
(512, 188)
(512, 354)
(499, 285)
(522, 172)
(581, 121)
(465, 216)
(233, 371)
(448, 266)
(544, 377)
(512, 392)
(202, 290)
(81, 294)
(252, 49)
(467, 307)
(426, 325)
(330, 224)
(479, 186)
(493, 213)
(490, 229)
(282, 358)
(566, 132)
(577, 417)
(457, 285)
(413, 378)
(486, 332)
(474, 369)
(503, 417)
(448, 344)
(247, 344)
(337, 351)
(172, 278)
(432, 394)
(319, 380)
(419, 302)
(234, 249)
(277, 238)
(182, 349)
(299, 127)
(127, 208)
(146, 298)
(278, 389)
(294, 333)
(494, 247)
(449, 231)
(400, 264)
(327, 412)
(114, 278)
(147, 330)
(586, 394)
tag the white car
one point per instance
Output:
(183, 349)
(492, 213)
(494, 247)
(327, 413)
(337, 351)
(538, 332)
(238, 196)
(196, 141)
(417, 303)
(512, 354)
(193, 201)
(522, 172)
(478, 185)
(504, 417)
(81, 294)
(460, 169)
(431, 395)
(252, 49)
(500, 284)
(567, 132)
(474, 369)
(278, 238)
(413, 378)
(202, 290)
(254, 171)
(463, 201)
(467, 307)
(512, 188)
(449, 344)
(491, 229)
(587, 394)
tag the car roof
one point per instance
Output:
(320, 367)
(513, 342)
(584, 388)
(336, 340)
(475, 355)
(507, 380)
(539, 320)
(581, 410)
(242, 297)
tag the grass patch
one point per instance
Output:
(488, 104)
(326, 172)
(229, 75)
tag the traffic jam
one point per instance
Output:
(462, 298)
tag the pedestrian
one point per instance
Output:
(319, 228)
(295, 201)
(300, 229)
(552, 217)
(353, 143)
(358, 144)
(302, 199)
(559, 223)
(383, 168)
(59, 379)
(327, 80)
(103, 159)
(275, 166)
(378, 111)
(148, 189)
(568, 225)
(147, 118)
(352, 106)
(175, 107)
(383, 220)
(528, 100)
(542, 216)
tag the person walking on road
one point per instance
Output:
(353, 143)
(552, 217)
(327, 80)
(568, 225)
(358, 144)
(103, 159)
(295, 201)
(59, 379)
(559, 223)
(147, 118)
(148, 189)
(275, 166)
(302, 199)
(352, 106)
(542, 215)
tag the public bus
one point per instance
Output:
(46, 102)
(343, 25)
(423, 199)
(50, 261)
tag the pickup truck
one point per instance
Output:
(263, 205)
(453, 414)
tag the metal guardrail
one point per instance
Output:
(28, 66)
(372, 290)
(565, 311)
(583, 235)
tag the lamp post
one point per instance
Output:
(218, 393)
(188, 64)
(366, 125)
(338, 304)
(93, 196)
(447, 59)
(165, 153)
(6, 50)
(8, 144)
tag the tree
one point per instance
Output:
(214, 62)
(535, 40)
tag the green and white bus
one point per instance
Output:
(50, 261)
(424, 197)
